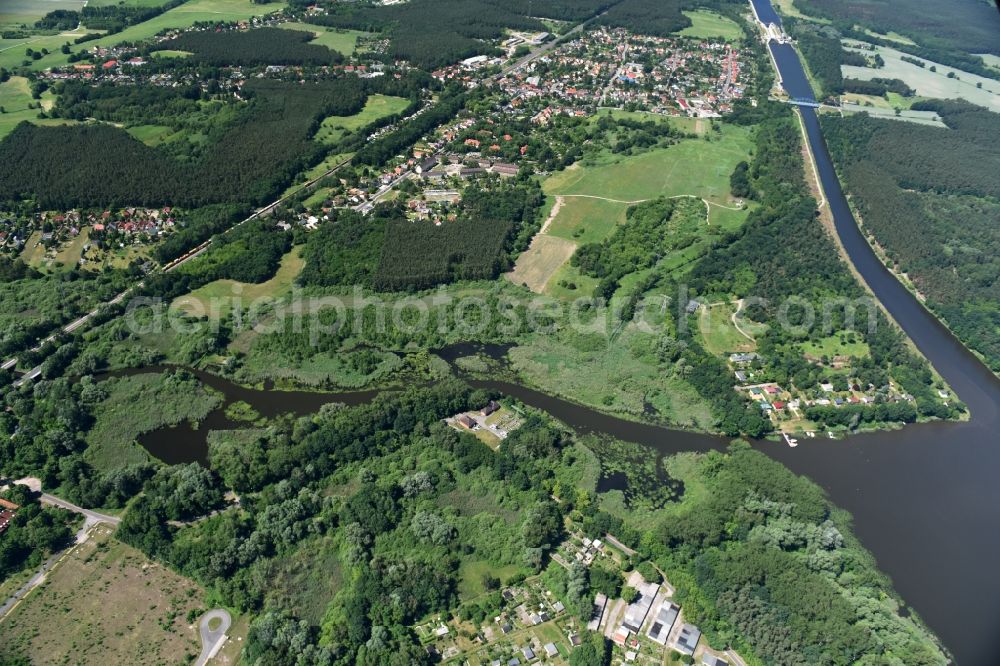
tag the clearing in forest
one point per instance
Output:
(220, 294)
(706, 24)
(106, 603)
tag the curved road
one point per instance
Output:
(212, 641)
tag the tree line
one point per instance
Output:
(260, 46)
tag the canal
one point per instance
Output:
(926, 499)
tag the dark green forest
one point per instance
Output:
(261, 46)
(928, 196)
(432, 33)
(249, 160)
(387, 252)
(964, 26)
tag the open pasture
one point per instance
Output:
(220, 294)
(106, 603)
(705, 24)
(334, 128)
(696, 167)
(343, 41)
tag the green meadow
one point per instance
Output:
(698, 167)
(15, 96)
(706, 24)
(343, 41)
(179, 17)
(334, 128)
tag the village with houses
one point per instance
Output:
(613, 68)
(525, 622)
(86, 238)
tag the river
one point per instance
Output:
(925, 499)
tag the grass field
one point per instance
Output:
(609, 376)
(170, 53)
(185, 15)
(14, 13)
(584, 220)
(990, 60)
(106, 603)
(835, 345)
(694, 166)
(578, 220)
(928, 83)
(536, 265)
(151, 135)
(719, 334)
(125, 3)
(788, 8)
(218, 296)
(892, 36)
(709, 24)
(343, 41)
(471, 572)
(334, 128)
(308, 579)
(15, 95)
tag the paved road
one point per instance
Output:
(211, 641)
(32, 583)
(91, 516)
(540, 51)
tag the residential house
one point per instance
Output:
(688, 639)
(663, 622)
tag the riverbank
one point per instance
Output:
(921, 499)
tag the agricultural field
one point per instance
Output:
(699, 167)
(342, 41)
(107, 603)
(220, 295)
(718, 331)
(179, 17)
(334, 128)
(705, 24)
(15, 96)
(927, 83)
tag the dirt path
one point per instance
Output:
(552, 213)
(736, 325)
